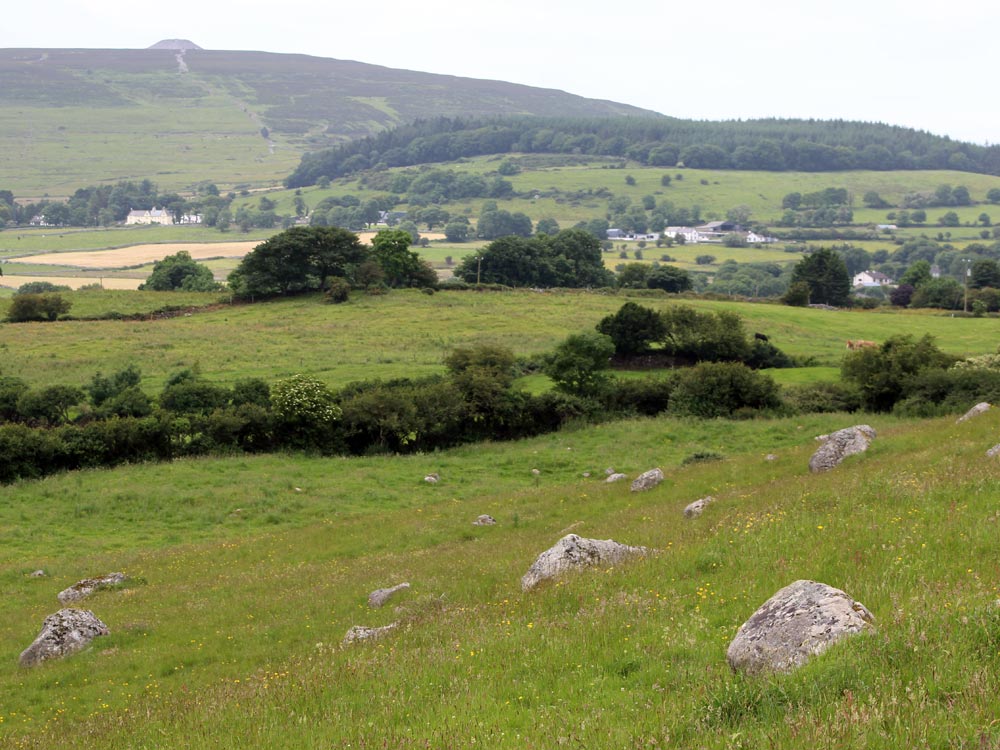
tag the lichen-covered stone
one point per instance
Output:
(63, 633)
(485, 520)
(980, 408)
(696, 508)
(839, 445)
(616, 477)
(572, 552)
(800, 621)
(647, 480)
(380, 596)
(86, 587)
(363, 633)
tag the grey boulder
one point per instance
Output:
(380, 596)
(696, 508)
(647, 480)
(980, 408)
(573, 552)
(485, 520)
(800, 621)
(63, 633)
(86, 587)
(839, 445)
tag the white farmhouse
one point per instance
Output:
(153, 216)
(871, 278)
(691, 236)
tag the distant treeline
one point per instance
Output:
(772, 145)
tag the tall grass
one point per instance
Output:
(247, 573)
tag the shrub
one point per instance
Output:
(815, 398)
(337, 290)
(633, 328)
(881, 374)
(306, 412)
(26, 308)
(645, 396)
(720, 389)
(41, 287)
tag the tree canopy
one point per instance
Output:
(297, 260)
(180, 272)
(826, 274)
(569, 258)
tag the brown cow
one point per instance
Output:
(856, 344)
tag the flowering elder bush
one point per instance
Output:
(982, 362)
(307, 410)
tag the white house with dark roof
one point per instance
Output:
(871, 278)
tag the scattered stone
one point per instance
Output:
(647, 480)
(696, 508)
(994, 451)
(432, 478)
(975, 411)
(297, 489)
(798, 622)
(380, 596)
(586, 475)
(63, 633)
(535, 472)
(770, 457)
(839, 445)
(609, 471)
(86, 587)
(572, 552)
(362, 633)
(485, 520)
(615, 478)
(37, 574)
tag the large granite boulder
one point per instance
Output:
(798, 622)
(86, 587)
(364, 633)
(839, 445)
(975, 411)
(380, 596)
(647, 480)
(63, 633)
(572, 552)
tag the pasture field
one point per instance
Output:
(402, 334)
(563, 190)
(246, 572)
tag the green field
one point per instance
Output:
(403, 334)
(248, 571)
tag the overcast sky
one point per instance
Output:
(930, 66)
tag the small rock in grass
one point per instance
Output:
(86, 587)
(647, 480)
(380, 596)
(363, 633)
(484, 520)
(696, 508)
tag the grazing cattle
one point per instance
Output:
(760, 337)
(856, 344)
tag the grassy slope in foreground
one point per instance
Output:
(402, 334)
(250, 570)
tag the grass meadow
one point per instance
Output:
(402, 334)
(246, 572)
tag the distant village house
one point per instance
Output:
(871, 278)
(159, 216)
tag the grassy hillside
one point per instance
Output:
(247, 572)
(71, 118)
(402, 334)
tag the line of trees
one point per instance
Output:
(769, 144)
